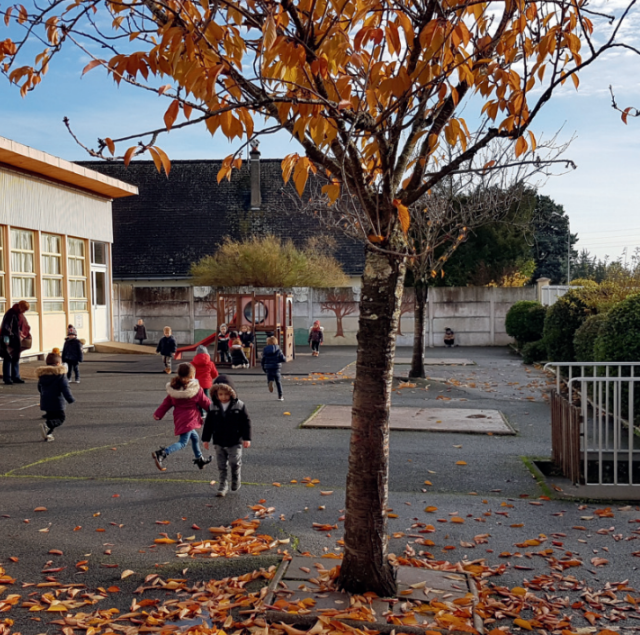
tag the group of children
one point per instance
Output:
(234, 347)
(196, 389)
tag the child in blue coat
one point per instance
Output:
(272, 360)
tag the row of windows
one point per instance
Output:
(23, 270)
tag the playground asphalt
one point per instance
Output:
(98, 474)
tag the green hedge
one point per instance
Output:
(534, 352)
(585, 338)
(619, 339)
(525, 321)
(562, 321)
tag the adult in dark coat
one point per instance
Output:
(14, 334)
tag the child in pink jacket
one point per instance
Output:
(186, 397)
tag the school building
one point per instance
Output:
(56, 234)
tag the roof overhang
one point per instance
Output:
(56, 169)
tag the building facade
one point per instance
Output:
(56, 235)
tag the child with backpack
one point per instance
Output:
(316, 337)
(229, 427)
(272, 360)
(167, 347)
(54, 394)
(72, 353)
(186, 397)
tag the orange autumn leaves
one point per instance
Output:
(371, 89)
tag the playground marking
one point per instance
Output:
(18, 403)
(471, 421)
(438, 361)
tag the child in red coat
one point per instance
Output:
(186, 397)
(206, 370)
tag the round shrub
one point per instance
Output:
(525, 321)
(620, 340)
(562, 321)
(534, 352)
(585, 338)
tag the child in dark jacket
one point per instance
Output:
(167, 347)
(246, 336)
(72, 354)
(238, 358)
(223, 344)
(229, 426)
(272, 360)
(186, 398)
(140, 332)
(54, 394)
(316, 337)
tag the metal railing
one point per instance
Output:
(592, 366)
(609, 446)
(593, 424)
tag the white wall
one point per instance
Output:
(30, 202)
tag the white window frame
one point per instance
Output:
(22, 275)
(77, 304)
(45, 253)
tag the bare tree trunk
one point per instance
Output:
(417, 359)
(365, 566)
(339, 331)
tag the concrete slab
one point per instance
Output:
(438, 361)
(303, 589)
(424, 419)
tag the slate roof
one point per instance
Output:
(175, 221)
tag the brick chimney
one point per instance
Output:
(254, 163)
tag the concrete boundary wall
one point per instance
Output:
(476, 314)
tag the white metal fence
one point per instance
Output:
(605, 397)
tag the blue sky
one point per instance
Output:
(600, 196)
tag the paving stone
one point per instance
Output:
(424, 419)
(444, 581)
(294, 570)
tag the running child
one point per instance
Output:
(229, 427)
(272, 360)
(54, 394)
(206, 370)
(186, 397)
(167, 347)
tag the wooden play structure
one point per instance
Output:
(264, 315)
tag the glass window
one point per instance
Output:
(100, 290)
(76, 269)
(99, 253)
(52, 283)
(23, 284)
